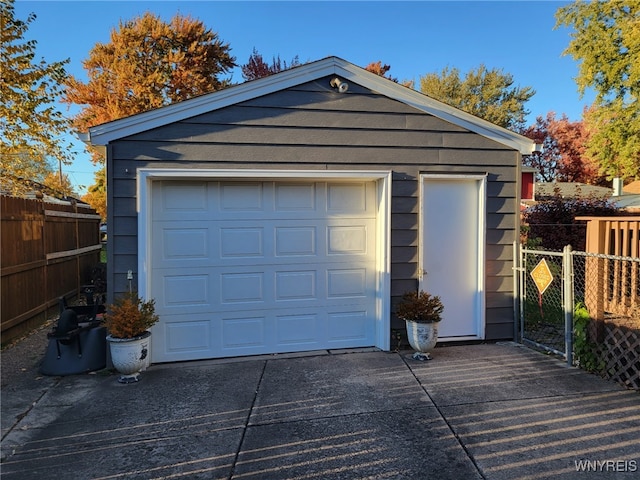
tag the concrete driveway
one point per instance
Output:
(494, 411)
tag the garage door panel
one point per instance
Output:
(348, 282)
(348, 327)
(241, 197)
(184, 337)
(347, 239)
(186, 289)
(297, 330)
(263, 267)
(193, 290)
(241, 242)
(349, 198)
(296, 285)
(296, 241)
(295, 197)
(244, 332)
(181, 243)
(242, 287)
(181, 200)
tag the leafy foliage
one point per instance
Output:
(420, 307)
(485, 93)
(379, 69)
(606, 43)
(583, 348)
(553, 221)
(564, 156)
(130, 316)
(148, 64)
(63, 187)
(30, 125)
(256, 67)
(383, 70)
(96, 195)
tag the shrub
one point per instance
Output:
(553, 221)
(420, 307)
(130, 316)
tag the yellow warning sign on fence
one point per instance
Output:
(542, 276)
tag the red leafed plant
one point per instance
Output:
(130, 316)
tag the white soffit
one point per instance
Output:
(107, 132)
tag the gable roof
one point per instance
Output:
(107, 132)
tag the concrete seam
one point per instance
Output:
(22, 416)
(246, 422)
(449, 426)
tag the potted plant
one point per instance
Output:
(128, 321)
(422, 312)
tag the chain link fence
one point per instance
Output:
(584, 307)
(542, 300)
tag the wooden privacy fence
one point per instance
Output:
(613, 297)
(48, 250)
(617, 289)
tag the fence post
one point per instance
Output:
(516, 292)
(567, 282)
(522, 294)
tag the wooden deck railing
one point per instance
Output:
(615, 283)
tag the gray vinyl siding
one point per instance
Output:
(314, 127)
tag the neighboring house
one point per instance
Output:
(527, 186)
(289, 213)
(545, 190)
(628, 199)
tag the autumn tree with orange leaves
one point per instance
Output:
(148, 63)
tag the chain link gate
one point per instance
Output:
(545, 301)
(553, 286)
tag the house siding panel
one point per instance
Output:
(313, 127)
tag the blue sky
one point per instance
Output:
(415, 38)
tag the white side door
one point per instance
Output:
(452, 251)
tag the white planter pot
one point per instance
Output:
(422, 338)
(130, 355)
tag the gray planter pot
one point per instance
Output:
(130, 355)
(422, 338)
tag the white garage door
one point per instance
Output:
(245, 268)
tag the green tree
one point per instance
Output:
(31, 127)
(485, 93)
(605, 41)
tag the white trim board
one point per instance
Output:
(479, 302)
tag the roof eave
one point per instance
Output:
(105, 133)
